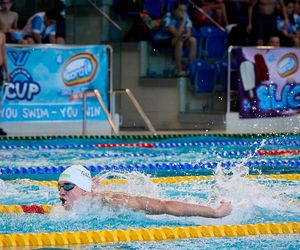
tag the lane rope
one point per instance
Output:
(169, 166)
(145, 234)
(173, 179)
(152, 145)
(279, 152)
(227, 153)
(154, 136)
(20, 209)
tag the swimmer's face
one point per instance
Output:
(68, 193)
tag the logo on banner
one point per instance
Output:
(79, 69)
(287, 65)
(19, 58)
(21, 86)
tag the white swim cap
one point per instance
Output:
(78, 175)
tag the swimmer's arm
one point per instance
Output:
(156, 206)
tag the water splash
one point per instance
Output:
(250, 199)
(2, 184)
(136, 183)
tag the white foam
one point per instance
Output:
(87, 209)
(2, 184)
(137, 184)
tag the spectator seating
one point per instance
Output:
(202, 75)
(209, 72)
(212, 42)
(128, 7)
(221, 67)
(154, 8)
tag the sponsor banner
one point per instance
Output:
(269, 83)
(47, 82)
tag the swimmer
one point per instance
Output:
(76, 182)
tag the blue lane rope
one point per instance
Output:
(153, 167)
(238, 153)
(112, 155)
(90, 155)
(157, 145)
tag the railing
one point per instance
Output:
(100, 100)
(137, 106)
(107, 17)
(108, 115)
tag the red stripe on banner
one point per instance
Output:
(113, 145)
(33, 209)
(279, 152)
(79, 96)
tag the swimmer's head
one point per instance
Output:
(78, 175)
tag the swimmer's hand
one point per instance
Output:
(224, 209)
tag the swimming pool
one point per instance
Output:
(188, 168)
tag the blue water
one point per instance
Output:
(254, 200)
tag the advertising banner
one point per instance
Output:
(269, 83)
(47, 82)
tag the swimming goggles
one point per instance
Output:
(66, 186)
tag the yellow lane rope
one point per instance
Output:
(145, 234)
(19, 210)
(174, 179)
(290, 177)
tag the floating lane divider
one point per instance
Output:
(152, 145)
(204, 152)
(154, 166)
(88, 155)
(145, 234)
(235, 153)
(113, 145)
(158, 136)
(20, 209)
(239, 153)
(158, 180)
(173, 179)
(273, 136)
(116, 155)
(279, 152)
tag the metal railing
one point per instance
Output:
(106, 16)
(96, 93)
(137, 106)
(134, 101)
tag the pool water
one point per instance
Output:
(229, 159)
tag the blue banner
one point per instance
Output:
(47, 82)
(269, 83)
